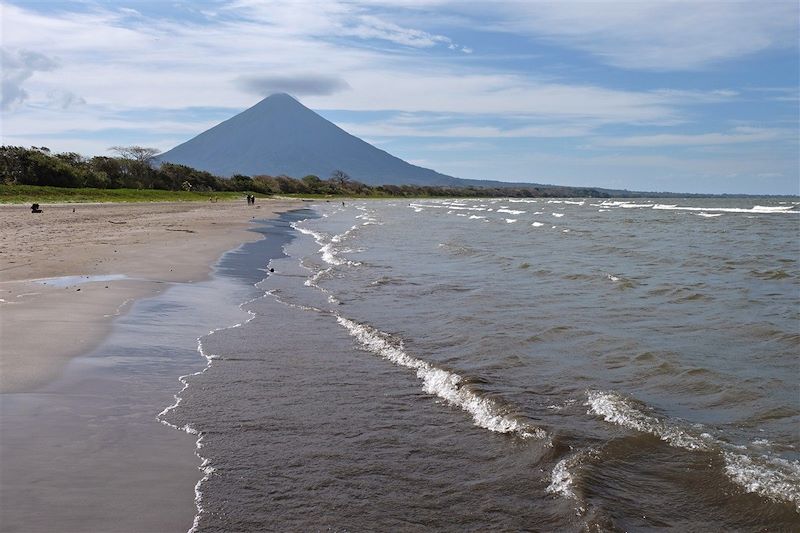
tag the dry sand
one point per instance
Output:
(43, 326)
(80, 449)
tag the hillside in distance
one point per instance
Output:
(279, 135)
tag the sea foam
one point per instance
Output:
(619, 410)
(445, 384)
(761, 209)
(772, 477)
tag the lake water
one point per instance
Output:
(497, 364)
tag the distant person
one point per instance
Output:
(35, 208)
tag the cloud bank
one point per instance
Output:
(297, 85)
(18, 67)
(707, 85)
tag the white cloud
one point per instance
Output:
(371, 27)
(392, 128)
(737, 136)
(117, 62)
(657, 35)
(115, 67)
(335, 19)
(18, 67)
(422, 90)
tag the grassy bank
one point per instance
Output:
(28, 194)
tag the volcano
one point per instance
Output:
(279, 135)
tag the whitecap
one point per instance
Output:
(561, 481)
(329, 256)
(773, 477)
(317, 236)
(760, 209)
(618, 410)
(329, 253)
(447, 385)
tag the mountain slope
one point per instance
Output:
(279, 135)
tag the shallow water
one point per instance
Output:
(71, 281)
(87, 452)
(511, 364)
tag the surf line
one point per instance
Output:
(205, 464)
(772, 477)
(448, 385)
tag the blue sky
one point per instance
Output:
(686, 96)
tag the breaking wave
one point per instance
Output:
(773, 477)
(450, 386)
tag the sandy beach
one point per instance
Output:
(121, 251)
(80, 444)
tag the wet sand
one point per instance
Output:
(80, 446)
(43, 326)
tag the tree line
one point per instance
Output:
(133, 168)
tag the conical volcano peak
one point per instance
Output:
(280, 98)
(281, 101)
(279, 135)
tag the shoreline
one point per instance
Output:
(95, 425)
(247, 266)
(147, 247)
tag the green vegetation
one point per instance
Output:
(24, 194)
(132, 176)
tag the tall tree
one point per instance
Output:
(140, 167)
(140, 154)
(340, 177)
